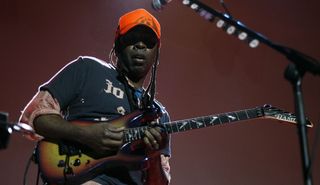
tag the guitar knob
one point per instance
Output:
(61, 164)
(88, 162)
(77, 162)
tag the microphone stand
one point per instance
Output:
(4, 133)
(6, 129)
(300, 63)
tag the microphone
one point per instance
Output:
(159, 4)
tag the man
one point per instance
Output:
(89, 89)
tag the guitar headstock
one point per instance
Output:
(271, 112)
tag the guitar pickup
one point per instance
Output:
(68, 149)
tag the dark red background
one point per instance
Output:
(203, 71)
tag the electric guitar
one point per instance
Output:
(63, 162)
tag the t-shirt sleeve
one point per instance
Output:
(66, 85)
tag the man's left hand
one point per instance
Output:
(154, 138)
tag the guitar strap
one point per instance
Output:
(138, 98)
(148, 100)
(133, 95)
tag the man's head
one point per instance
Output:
(137, 43)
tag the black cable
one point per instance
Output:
(27, 169)
(38, 175)
(148, 101)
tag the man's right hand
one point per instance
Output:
(102, 137)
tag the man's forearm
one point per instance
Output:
(100, 137)
(55, 127)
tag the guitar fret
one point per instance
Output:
(232, 116)
(196, 123)
(175, 128)
(188, 125)
(139, 132)
(219, 119)
(237, 115)
(203, 123)
(171, 128)
(223, 118)
(216, 120)
(181, 125)
(243, 115)
(129, 135)
(208, 121)
(125, 136)
(168, 128)
(252, 113)
(142, 130)
(247, 114)
(135, 133)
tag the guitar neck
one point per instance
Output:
(212, 120)
(136, 133)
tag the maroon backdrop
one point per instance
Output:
(203, 71)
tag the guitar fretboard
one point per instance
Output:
(136, 133)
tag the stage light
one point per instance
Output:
(186, 2)
(254, 43)
(16, 127)
(242, 36)
(194, 6)
(206, 15)
(230, 30)
(10, 130)
(220, 23)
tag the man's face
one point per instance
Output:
(139, 50)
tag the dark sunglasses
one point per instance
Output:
(140, 34)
